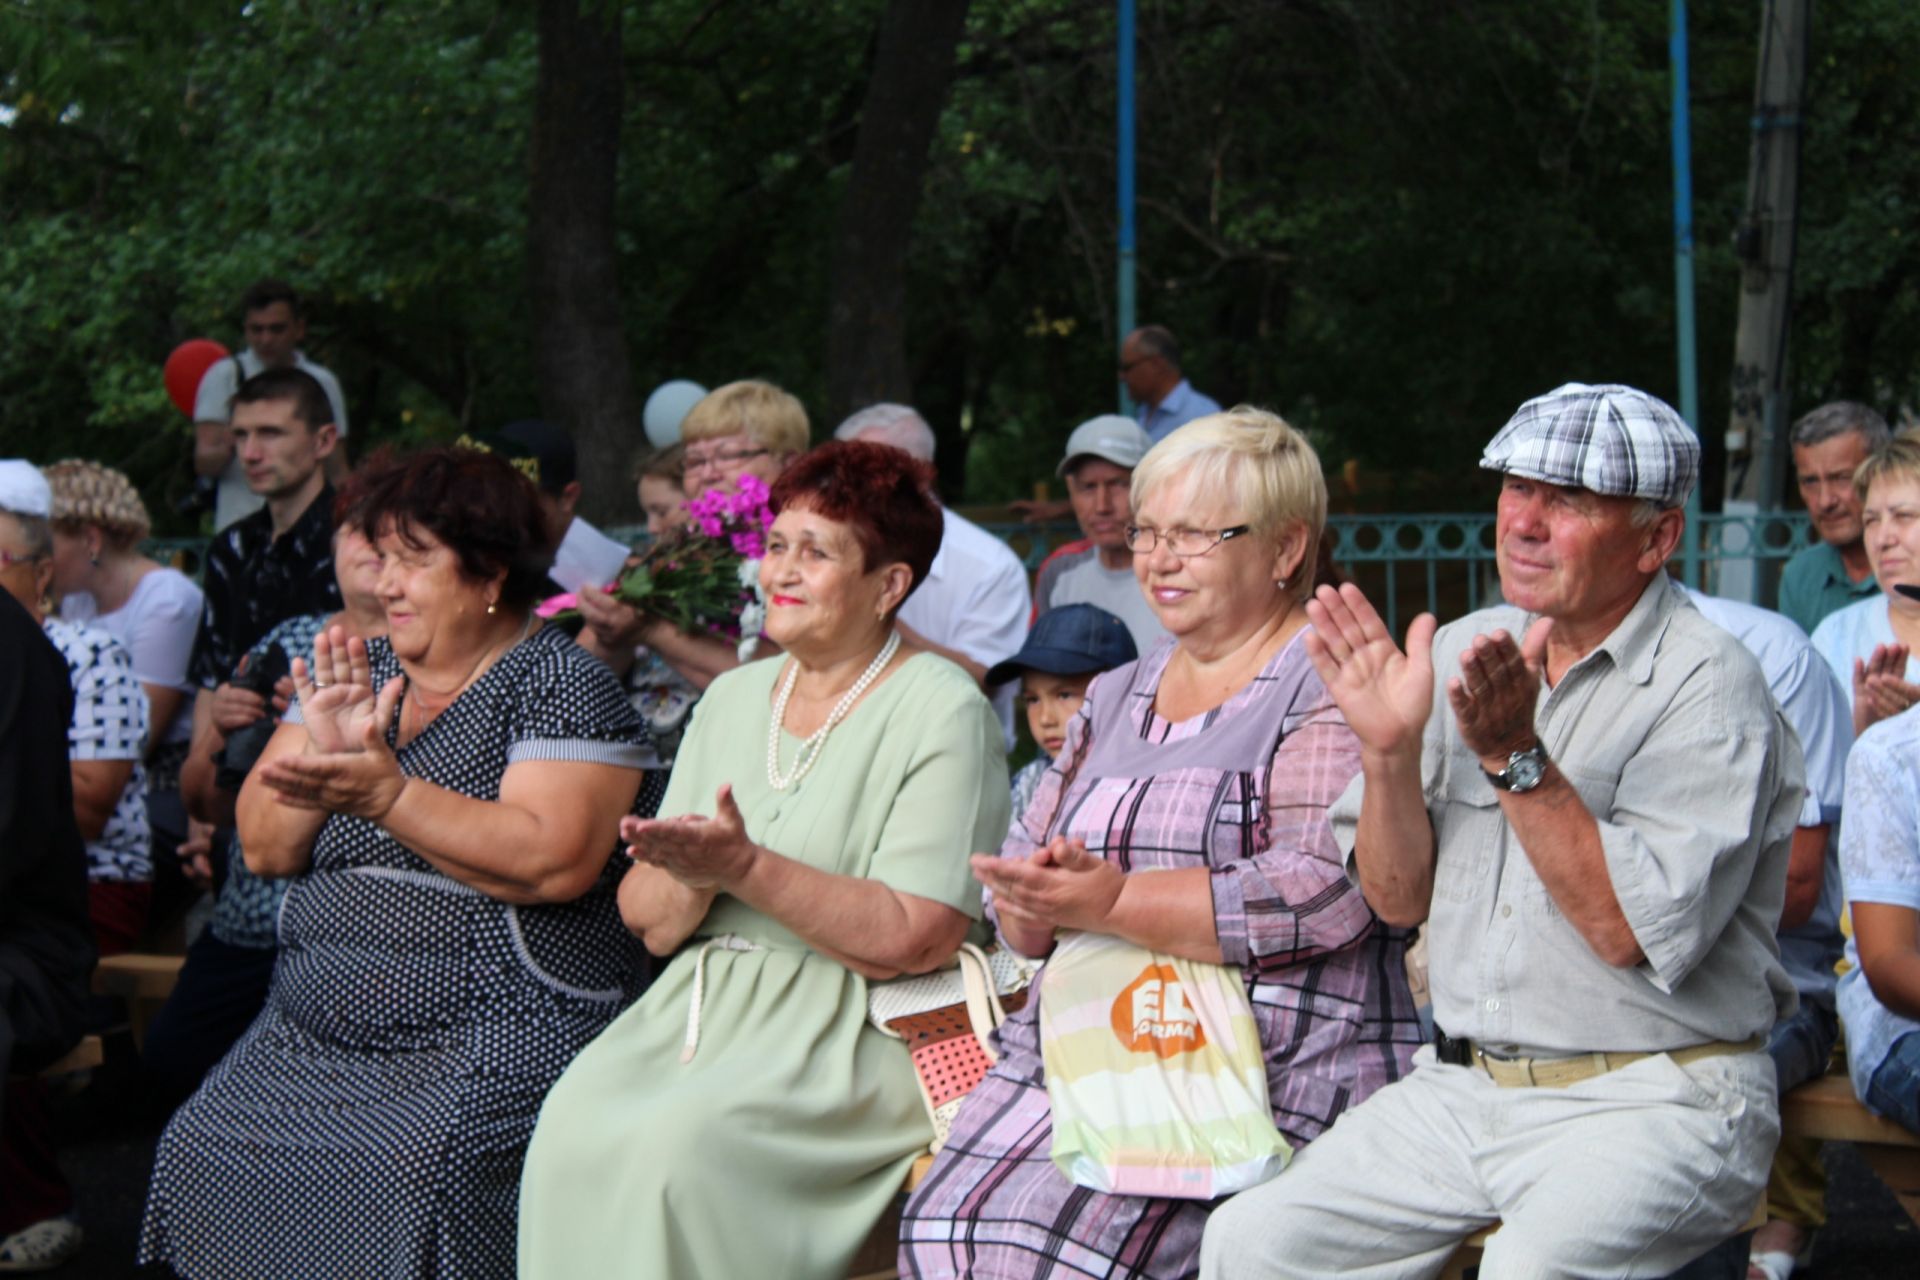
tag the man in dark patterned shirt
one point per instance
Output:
(278, 562)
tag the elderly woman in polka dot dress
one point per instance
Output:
(744, 1119)
(449, 799)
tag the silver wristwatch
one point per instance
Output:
(1524, 770)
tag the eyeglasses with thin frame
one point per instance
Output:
(1185, 543)
(1127, 366)
(722, 458)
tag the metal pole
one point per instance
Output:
(1123, 291)
(1683, 272)
(1756, 436)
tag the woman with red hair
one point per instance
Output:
(744, 1119)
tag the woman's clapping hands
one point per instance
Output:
(1060, 886)
(701, 853)
(1880, 686)
(348, 766)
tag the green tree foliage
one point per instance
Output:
(1390, 221)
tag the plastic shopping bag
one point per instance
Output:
(1154, 1073)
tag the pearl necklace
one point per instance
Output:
(811, 748)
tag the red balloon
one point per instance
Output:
(186, 366)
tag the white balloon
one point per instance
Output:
(666, 407)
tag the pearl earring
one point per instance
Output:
(1281, 585)
(491, 608)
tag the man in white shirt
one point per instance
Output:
(1815, 705)
(274, 329)
(973, 607)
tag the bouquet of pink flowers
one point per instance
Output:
(703, 576)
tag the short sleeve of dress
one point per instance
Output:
(953, 799)
(1878, 851)
(109, 706)
(569, 707)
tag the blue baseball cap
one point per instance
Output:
(1072, 640)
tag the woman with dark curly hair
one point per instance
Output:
(449, 799)
(744, 1119)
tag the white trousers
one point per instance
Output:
(1631, 1173)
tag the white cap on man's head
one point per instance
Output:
(23, 490)
(1110, 437)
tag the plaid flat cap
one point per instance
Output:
(1609, 439)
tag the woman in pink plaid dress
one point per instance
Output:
(1210, 761)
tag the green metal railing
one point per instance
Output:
(1438, 563)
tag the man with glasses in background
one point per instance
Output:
(1150, 366)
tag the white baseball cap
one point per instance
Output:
(23, 490)
(1110, 437)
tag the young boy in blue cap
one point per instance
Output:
(1065, 650)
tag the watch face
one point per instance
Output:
(1524, 771)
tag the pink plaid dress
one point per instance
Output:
(1243, 790)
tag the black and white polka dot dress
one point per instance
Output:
(373, 1121)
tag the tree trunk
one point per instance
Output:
(867, 307)
(580, 347)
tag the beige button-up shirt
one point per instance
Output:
(1671, 738)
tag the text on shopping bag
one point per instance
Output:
(1152, 1015)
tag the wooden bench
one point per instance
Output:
(1826, 1109)
(68, 1071)
(144, 981)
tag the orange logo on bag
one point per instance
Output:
(1152, 1015)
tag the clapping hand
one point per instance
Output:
(1059, 886)
(1496, 692)
(1384, 694)
(1880, 687)
(701, 853)
(337, 702)
(347, 766)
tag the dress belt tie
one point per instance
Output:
(726, 942)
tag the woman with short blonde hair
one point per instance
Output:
(1187, 815)
(1870, 644)
(748, 427)
(1269, 468)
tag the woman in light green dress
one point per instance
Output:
(744, 1119)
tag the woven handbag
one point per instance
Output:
(945, 1018)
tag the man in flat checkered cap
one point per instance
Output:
(1590, 814)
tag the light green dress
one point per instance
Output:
(774, 1151)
